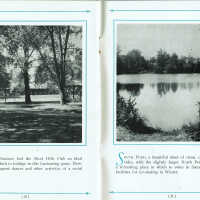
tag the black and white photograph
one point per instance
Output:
(41, 84)
(158, 82)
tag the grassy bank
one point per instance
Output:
(193, 131)
(126, 135)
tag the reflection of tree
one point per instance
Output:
(183, 85)
(174, 87)
(190, 86)
(153, 85)
(164, 88)
(132, 89)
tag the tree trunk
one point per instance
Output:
(63, 95)
(27, 88)
(62, 85)
(63, 99)
(5, 95)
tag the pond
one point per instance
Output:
(166, 101)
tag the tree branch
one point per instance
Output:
(66, 41)
(54, 55)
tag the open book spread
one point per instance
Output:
(99, 100)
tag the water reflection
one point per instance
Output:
(167, 103)
(162, 88)
(132, 89)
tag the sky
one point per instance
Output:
(182, 39)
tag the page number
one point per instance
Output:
(25, 196)
(171, 196)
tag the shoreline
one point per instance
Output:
(187, 133)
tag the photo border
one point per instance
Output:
(114, 75)
(85, 58)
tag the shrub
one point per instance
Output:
(129, 117)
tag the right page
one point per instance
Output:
(151, 101)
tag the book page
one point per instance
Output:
(49, 100)
(151, 86)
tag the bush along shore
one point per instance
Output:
(131, 126)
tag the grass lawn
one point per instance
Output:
(40, 122)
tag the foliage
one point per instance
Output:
(60, 58)
(129, 117)
(51, 53)
(4, 79)
(194, 129)
(4, 76)
(16, 41)
(134, 62)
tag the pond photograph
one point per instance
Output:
(158, 82)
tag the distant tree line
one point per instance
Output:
(134, 62)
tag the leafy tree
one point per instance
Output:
(121, 62)
(162, 61)
(4, 79)
(59, 55)
(197, 66)
(172, 65)
(136, 61)
(17, 43)
(191, 65)
(4, 76)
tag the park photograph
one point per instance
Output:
(158, 82)
(41, 84)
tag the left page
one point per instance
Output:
(49, 100)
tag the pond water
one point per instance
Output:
(167, 101)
